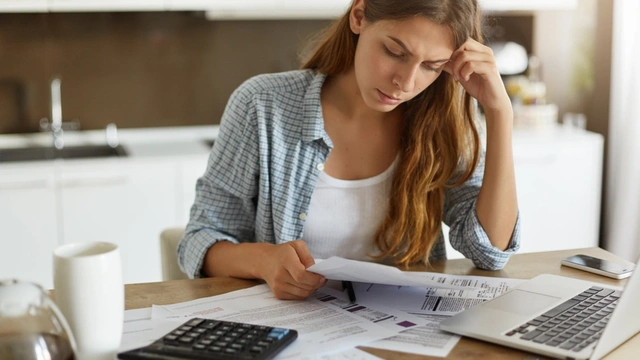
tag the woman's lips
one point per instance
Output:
(386, 99)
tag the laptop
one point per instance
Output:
(556, 316)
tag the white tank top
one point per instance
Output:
(344, 215)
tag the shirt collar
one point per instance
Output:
(313, 122)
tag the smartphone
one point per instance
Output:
(598, 266)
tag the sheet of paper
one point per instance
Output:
(380, 314)
(322, 328)
(139, 330)
(426, 340)
(436, 301)
(351, 354)
(337, 268)
(420, 334)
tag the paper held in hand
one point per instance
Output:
(337, 268)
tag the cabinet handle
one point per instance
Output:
(87, 182)
(25, 185)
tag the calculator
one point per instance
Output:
(215, 339)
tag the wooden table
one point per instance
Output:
(521, 266)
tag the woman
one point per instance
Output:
(362, 154)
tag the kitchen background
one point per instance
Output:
(164, 77)
(140, 69)
(151, 69)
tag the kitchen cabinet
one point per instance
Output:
(105, 5)
(558, 182)
(224, 7)
(251, 9)
(127, 203)
(328, 9)
(125, 200)
(23, 6)
(275, 9)
(29, 223)
(527, 5)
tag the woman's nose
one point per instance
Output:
(405, 78)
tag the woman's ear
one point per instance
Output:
(356, 16)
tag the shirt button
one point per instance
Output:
(320, 166)
(303, 216)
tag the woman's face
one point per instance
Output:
(396, 60)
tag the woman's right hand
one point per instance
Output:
(284, 268)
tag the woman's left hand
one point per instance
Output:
(474, 66)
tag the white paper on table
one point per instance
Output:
(337, 268)
(139, 330)
(321, 328)
(393, 319)
(351, 354)
(426, 340)
(436, 301)
(420, 334)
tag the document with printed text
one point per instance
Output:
(337, 268)
(322, 328)
(419, 334)
(469, 291)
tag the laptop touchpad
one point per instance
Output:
(521, 302)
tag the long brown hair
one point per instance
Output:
(440, 142)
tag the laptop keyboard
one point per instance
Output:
(574, 324)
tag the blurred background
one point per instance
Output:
(173, 68)
(163, 70)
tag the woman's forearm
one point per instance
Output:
(497, 205)
(225, 258)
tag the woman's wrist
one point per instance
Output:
(259, 257)
(499, 121)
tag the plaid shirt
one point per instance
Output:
(264, 166)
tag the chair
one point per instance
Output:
(169, 239)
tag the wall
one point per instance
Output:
(136, 69)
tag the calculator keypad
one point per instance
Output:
(214, 339)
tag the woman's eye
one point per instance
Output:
(430, 68)
(391, 53)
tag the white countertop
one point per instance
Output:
(163, 142)
(140, 142)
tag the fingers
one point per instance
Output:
(472, 57)
(484, 69)
(289, 278)
(300, 274)
(303, 252)
(467, 63)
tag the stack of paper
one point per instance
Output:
(396, 317)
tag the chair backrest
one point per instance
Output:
(169, 239)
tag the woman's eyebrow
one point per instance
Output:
(404, 47)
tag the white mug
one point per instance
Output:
(90, 293)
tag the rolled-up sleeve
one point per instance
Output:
(466, 233)
(224, 207)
